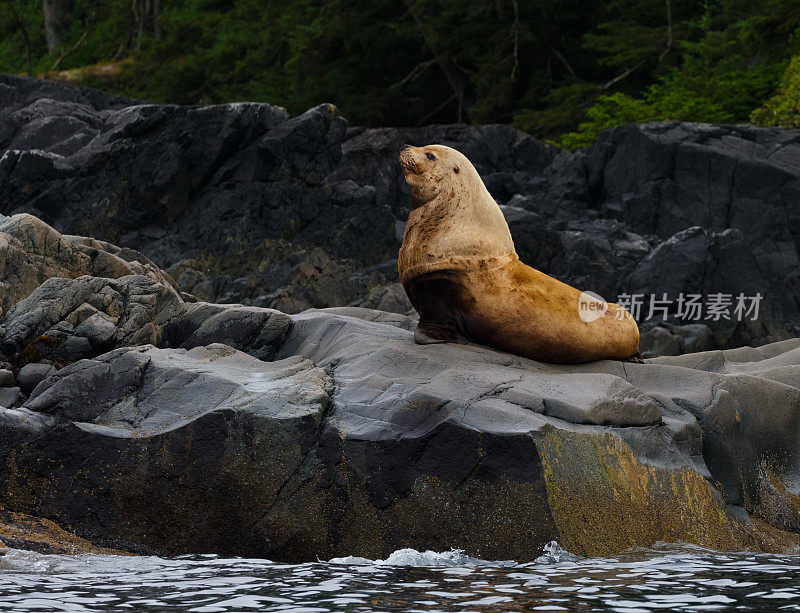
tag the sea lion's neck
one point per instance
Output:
(417, 200)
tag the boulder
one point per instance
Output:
(9, 396)
(32, 375)
(667, 339)
(69, 319)
(31, 252)
(6, 378)
(65, 320)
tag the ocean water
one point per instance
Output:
(666, 578)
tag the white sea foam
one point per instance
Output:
(553, 554)
(412, 557)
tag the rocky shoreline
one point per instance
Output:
(140, 419)
(143, 410)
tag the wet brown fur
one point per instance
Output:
(461, 272)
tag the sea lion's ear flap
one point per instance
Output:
(455, 169)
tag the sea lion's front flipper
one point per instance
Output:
(437, 301)
(429, 332)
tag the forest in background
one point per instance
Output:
(562, 70)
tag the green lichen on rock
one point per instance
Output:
(606, 500)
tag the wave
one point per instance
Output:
(552, 554)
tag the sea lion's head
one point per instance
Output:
(431, 169)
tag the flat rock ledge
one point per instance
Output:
(160, 424)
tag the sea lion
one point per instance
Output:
(461, 273)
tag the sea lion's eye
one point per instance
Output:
(455, 169)
(430, 156)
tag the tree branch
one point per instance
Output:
(415, 73)
(446, 65)
(624, 75)
(70, 50)
(158, 31)
(515, 38)
(436, 110)
(563, 61)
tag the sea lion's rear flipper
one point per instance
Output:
(636, 358)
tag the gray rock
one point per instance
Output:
(41, 324)
(9, 396)
(658, 341)
(177, 386)
(31, 252)
(97, 329)
(74, 348)
(390, 298)
(694, 338)
(31, 375)
(669, 339)
(255, 330)
(6, 378)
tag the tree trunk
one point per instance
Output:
(57, 19)
(157, 30)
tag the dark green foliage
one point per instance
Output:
(730, 62)
(562, 69)
(18, 18)
(784, 108)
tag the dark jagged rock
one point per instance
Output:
(10, 396)
(667, 339)
(92, 296)
(32, 375)
(242, 204)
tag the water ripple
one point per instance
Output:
(688, 579)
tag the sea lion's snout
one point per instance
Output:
(407, 162)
